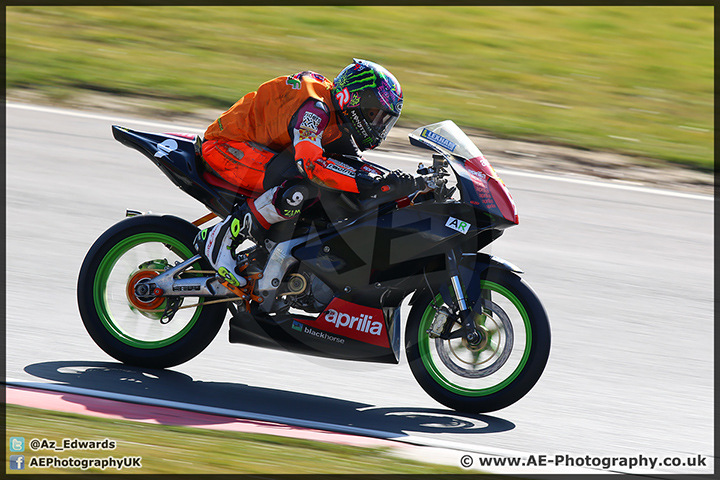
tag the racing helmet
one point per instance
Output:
(368, 99)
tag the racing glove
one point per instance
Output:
(396, 184)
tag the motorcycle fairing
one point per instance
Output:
(179, 158)
(350, 320)
(479, 183)
(483, 189)
(387, 247)
(317, 336)
(378, 257)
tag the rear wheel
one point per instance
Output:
(119, 309)
(502, 368)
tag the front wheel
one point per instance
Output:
(133, 327)
(497, 372)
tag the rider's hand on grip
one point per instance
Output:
(400, 184)
(393, 185)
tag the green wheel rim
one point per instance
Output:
(101, 282)
(437, 375)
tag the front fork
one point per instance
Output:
(472, 335)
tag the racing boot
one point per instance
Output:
(218, 243)
(251, 220)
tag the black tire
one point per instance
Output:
(504, 369)
(135, 334)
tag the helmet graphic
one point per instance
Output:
(369, 100)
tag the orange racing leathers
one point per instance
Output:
(290, 111)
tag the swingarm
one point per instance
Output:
(168, 284)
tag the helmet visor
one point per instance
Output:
(381, 121)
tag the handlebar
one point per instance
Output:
(435, 178)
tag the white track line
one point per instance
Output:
(631, 188)
(225, 412)
(408, 158)
(452, 448)
(577, 181)
(96, 116)
(367, 432)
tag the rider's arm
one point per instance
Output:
(307, 129)
(308, 126)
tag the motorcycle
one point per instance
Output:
(331, 283)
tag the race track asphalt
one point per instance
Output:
(625, 273)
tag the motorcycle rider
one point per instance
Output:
(317, 120)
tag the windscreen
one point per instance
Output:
(447, 138)
(478, 180)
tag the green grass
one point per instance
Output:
(636, 80)
(170, 449)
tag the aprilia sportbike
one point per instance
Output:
(331, 282)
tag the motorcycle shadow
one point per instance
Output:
(174, 386)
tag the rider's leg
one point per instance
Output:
(240, 163)
(243, 163)
(281, 203)
(251, 220)
(217, 244)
